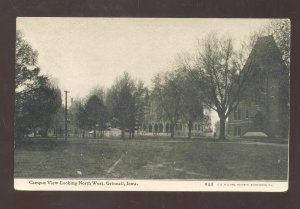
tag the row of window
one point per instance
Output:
(197, 127)
(159, 127)
(238, 116)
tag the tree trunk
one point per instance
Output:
(190, 129)
(222, 128)
(34, 132)
(94, 132)
(123, 134)
(46, 132)
(172, 130)
(83, 134)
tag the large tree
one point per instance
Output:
(222, 75)
(125, 110)
(125, 100)
(192, 97)
(140, 95)
(192, 102)
(82, 119)
(177, 97)
(26, 63)
(37, 100)
(26, 74)
(37, 105)
(96, 114)
(167, 94)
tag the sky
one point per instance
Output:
(82, 53)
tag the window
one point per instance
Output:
(237, 114)
(167, 128)
(161, 128)
(155, 128)
(150, 128)
(237, 131)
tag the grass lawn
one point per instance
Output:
(150, 159)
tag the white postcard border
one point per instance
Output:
(148, 185)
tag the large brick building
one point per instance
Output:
(264, 105)
(156, 124)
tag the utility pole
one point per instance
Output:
(66, 114)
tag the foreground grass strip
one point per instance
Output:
(147, 159)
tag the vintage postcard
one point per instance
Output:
(152, 104)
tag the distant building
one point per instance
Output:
(264, 105)
(156, 124)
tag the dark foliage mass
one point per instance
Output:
(126, 99)
(93, 116)
(37, 100)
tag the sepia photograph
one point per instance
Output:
(152, 104)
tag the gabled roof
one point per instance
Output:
(267, 56)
